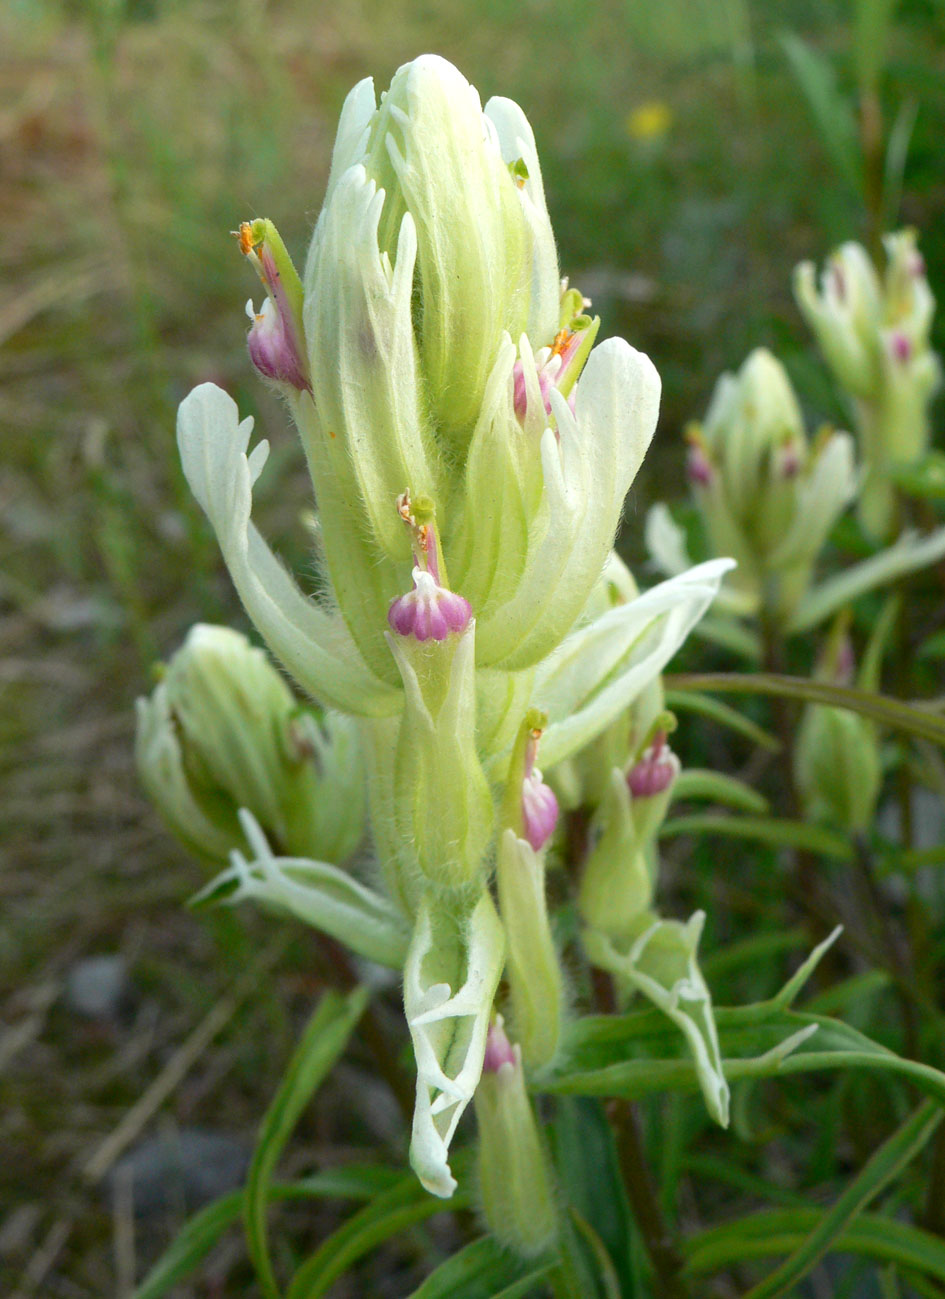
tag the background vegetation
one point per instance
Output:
(686, 175)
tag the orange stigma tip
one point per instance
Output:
(245, 236)
(562, 338)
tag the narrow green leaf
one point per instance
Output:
(789, 1043)
(588, 1169)
(871, 27)
(830, 109)
(199, 1235)
(323, 1041)
(191, 1245)
(776, 1232)
(906, 555)
(889, 1160)
(723, 714)
(897, 151)
(897, 716)
(716, 787)
(605, 1267)
(402, 1206)
(476, 1271)
(767, 830)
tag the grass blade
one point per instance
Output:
(892, 713)
(325, 1037)
(889, 1160)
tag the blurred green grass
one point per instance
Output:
(684, 179)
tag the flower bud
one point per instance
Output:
(844, 314)
(222, 732)
(276, 341)
(618, 879)
(514, 1176)
(468, 182)
(836, 757)
(876, 340)
(767, 498)
(530, 811)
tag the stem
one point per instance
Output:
(897, 956)
(934, 1217)
(658, 1239)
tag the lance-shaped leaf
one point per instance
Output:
(601, 668)
(662, 965)
(909, 553)
(450, 978)
(313, 645)
(315, 892)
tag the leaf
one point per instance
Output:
(716, 787)
(872, 23)
(780, 1231)
(401, 1206)
(317, 893)
(191, 1245)
(724, 715)
(892, 713)
(323, 1041)
(602, 1260)
(475, 1272)
(830, 109)
(907, 554)
(923, 478)
(789, 1043)
(767, 830)
(889, 1160)
(199, 1235)
(588, 1167)
(897, 151)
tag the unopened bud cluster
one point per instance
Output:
(768, 496)
(873, 330)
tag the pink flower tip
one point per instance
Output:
(429, 611)
(500, 1053)
(552, 365)
(539, 810)
(273, 348)
(698, 467)
(901, 347)
(655, 771)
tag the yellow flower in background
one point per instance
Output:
(649, 121)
